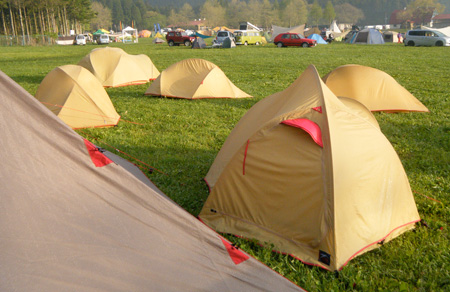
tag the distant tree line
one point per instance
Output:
(58, 17)
(51, 17)
(262, 13)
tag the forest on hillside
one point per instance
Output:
(58, 17)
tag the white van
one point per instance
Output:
(103, 39)
(80, 39)
(424, 37)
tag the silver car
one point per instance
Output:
(424, 37)
(222, 35)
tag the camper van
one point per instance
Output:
(248, 37)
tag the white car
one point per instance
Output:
(424, 37)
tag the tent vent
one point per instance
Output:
(98, 158)
(324, 257)
(318, 109)
(236, 255)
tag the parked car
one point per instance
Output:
(175, 38)
(222, 35)
(247, 37)
(424, 37)
(293, 39)
(80, 39)
(103, 39)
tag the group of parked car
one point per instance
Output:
(242, 37)
(82, 39)
(417, 37)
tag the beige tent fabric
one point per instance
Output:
(68, 225)
(193, 79)
(444, 30)
(312, 176)
(377, 90)
(77, 97)
(276, 30)
(114, 67)
(360, 109)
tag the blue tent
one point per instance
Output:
(318, 38)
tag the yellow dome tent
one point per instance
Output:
(77, 97)
(192, 79)
(115, 68)
(377, 90)
(312, 176)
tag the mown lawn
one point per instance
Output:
(182, 137)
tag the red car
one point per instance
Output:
(293, 39)
(176, 38)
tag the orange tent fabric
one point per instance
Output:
(194, 79)
(145, 33)
(310, 174)
(377, 90)
(113, 67)
(73, 219)
(77, 97)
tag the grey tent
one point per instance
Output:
(369, 36)
(199, 43)
(74, 220)
(158, 41)
(228, 43)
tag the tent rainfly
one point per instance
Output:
(77, 97)
(73, 219)
(376, 89)
(145, 33)
(368, 36)
(199, 43)
(194, 79)
(158, 41)
(317, 38)
(228, 43)
(308, 173)
(276, 30)
(113, 67)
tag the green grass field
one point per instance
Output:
(182, 137)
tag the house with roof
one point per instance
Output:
(398, 19)
(441, 20)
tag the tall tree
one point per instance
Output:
(328, 13)
(213, 12)
(103, 18)
(347, 13)
(295, 13)
(315, 13)
(269, 15)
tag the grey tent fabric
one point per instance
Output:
(199, 43)
(228, 43)
(73, 220)
(158, 41)
(368, 36)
